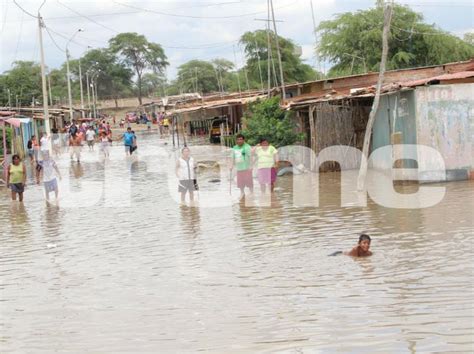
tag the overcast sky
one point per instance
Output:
(187, 29)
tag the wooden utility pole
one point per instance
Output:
(282, 81)
(368, 131)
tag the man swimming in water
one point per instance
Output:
(361, 250)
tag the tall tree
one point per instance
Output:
(114, 79)
(140, 54)
(153, 84)
(24, 83)
(256, 50)
(353, 41)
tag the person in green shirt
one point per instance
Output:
(242, 162)
(267, 157)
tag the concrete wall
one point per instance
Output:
(445, 116)
(395, 122)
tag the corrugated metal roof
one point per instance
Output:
(444, 77)
(369, 91)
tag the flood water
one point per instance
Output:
(146, 274)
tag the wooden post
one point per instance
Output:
(368, 131)
(312, 137)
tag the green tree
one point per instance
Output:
(353, 41)
(469, 38)
(265, 119)
(197, 76)
(140, 54)
(24, 83)
(256, 50)
(153, 84)
(114, 79)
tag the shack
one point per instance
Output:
(430, 106)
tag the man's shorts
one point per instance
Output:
(245, 179)
(51, 186)
(187, 185)
(90, 142)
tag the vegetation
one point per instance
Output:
(265, 119)
(140, 54)
(353, 41)
(256, 49)
(8, 134)
(133, 66)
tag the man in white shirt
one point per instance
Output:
(90, 138)
(48, 168)
(44, 143)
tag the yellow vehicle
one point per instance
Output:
(219, 125)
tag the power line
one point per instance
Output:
(192, 16)
(26, 12)
(4, 16)
(19, 37)
(50, 36)
(66, 37)
(424, 33)
(88, 18)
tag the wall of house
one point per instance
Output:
(445, 116)
(339, 123)
(395, 123)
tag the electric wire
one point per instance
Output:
(22, 9)
(192, 16)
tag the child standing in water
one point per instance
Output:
(16, 177)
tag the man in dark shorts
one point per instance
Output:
(242, 161)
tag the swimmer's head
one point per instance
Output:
(364, 242)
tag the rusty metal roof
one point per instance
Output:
(437, 79)
(369, 91)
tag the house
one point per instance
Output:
(431, 106)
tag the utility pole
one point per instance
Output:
(88, 92)
(368, 130)
(47, 126)
(71, 114)
(80, 85)
(93, 96)
(49, 89)
(270, 62)
(269, 50)
(278, 52)
(259, 67)
(69, 93)
(96, 96)
(237, 72)
(316, 41)
(9, 99)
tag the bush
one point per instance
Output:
(265, 119)
(9, 134)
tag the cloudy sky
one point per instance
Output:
(187, 29)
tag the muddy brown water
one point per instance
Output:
(151, 275)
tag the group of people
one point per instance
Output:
(45, 167)
(263, 156)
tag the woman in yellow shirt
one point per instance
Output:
(267, 157)
(16, 177)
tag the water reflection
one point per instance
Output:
(240, 277)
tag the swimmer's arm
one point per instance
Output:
(353, 252)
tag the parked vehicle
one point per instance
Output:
(219, 124)
(131, 117)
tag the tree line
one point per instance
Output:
(132, 66)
